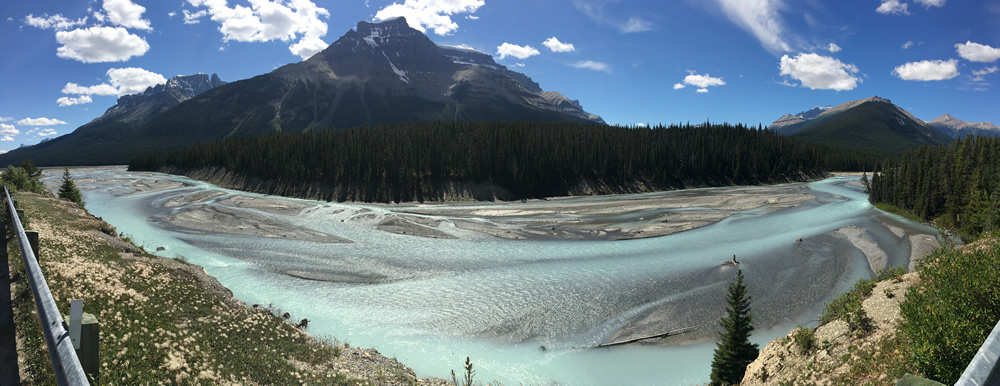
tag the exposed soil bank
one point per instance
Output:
(448, 192)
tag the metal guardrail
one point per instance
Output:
(65, 363)
(984, 369)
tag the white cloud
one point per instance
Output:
(6, 119)
(268, 20)
(430, 14)
(171, 14)
(592, 65)
(893, 7)
(126, 14)
(557, 46)
(40, 122)
(520, 52)
(635, 24)
(833, 48)
(985, 71)
(976, 52)
(702, 81)
(46, 132)
(910, 43)
(931, 3)
(678, 86)
(702, 90)
(927, 70)
(760, 18)
(57, 22)
(979, 75)
(307, 47)
(8, 131)
(818, 72)
(518, 64)
(193, 17)
(6, 138)
(101, 89)
(131, 80)
(640, 124)
(100, 44)
(472, 17)
(123, 81)
(67, 101)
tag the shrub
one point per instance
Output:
(17, 179)
(805, 340)
(950, 313)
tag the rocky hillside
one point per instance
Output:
(164, 320)
(833, 353)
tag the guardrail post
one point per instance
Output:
(33, 241)
(85, 332)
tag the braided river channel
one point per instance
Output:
(526, 289)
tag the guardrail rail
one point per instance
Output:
(65, 363)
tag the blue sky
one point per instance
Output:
(630, 61)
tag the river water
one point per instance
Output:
(523, 310)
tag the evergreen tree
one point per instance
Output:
(30, 167)
(69, 191)
(735, 351)
(864, 181)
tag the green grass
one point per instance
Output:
(899, 211)
(158, 322)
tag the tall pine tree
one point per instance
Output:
(69, 191)
(734, 351)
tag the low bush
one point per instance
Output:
(805, 340)
(952, 311)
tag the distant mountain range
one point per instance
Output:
(873, 125)
(377, 73)
(789, 119)
(958, 128)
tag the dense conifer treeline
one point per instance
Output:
(958, 185)
(417, 161)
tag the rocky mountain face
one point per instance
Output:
(113, 136)
(789, 119)
(872, 125)
(957, 128)
(160, 98)
(376, 73)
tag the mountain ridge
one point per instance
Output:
(871, 125)
(376, 73)
(958, 128)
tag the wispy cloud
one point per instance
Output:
(596, 10)
(592, 65)
(761, 19)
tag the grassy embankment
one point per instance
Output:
(930, 323)
(165, 321)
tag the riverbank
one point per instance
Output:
(167, 320)
(611, 217)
